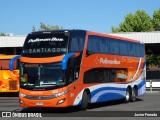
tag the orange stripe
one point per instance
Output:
(42, 60)
(77, 54)
(6, 56)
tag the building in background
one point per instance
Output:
(11, 45)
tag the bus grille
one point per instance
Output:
(39, 97)
(12, 85)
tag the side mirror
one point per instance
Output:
(65, 60)
(11, 62)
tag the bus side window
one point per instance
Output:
(106, 75)
(112, 75)
(76, 74)
(71, 75)
(99, 76)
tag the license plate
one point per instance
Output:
(39, 103)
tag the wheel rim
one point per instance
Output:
(127, 95)
(133, 94)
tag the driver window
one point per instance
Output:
(71, 75)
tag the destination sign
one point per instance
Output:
(45, 50)
(45, 39)
(45, 45)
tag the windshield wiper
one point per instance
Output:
(49, 84)
(39, 88)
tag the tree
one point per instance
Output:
(138, 22)
(156, 20)
(127, 25)
(33, 29)
(49, 27)
(2, 34)
(152, 60)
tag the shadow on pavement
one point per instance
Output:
(109, 103)
(74, 108)
(52, 110)
(9, 94)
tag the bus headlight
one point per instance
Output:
(61, 101)
(21, 102)
(62, 93)
(22, 94)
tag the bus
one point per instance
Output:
(9, 81)
(62, 68)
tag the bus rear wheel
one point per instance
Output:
(134, 95)
(85, 101)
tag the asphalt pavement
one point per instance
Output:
(148, 104)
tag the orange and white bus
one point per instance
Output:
(77, 67)
(9, 81)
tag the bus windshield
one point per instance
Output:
(41, 76)
(45, 45)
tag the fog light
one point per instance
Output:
(61, 101)
(21, 102)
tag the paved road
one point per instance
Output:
(148, 102)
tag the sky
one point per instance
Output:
(19, 16)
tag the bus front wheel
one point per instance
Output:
(127, 97)
(85, 101)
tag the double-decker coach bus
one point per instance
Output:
(9, 81)
(76, 67)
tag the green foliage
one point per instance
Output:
(2, 34)
(158, 61)
(47, 27)
(153, 60)
(138, 22)
(150, 60)
(33, 29)
(156, 20)
(126, 26)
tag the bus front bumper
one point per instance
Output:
(59, 99)
(55, 102)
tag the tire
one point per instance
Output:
(127, 97)
(134, 95)
(85, 101)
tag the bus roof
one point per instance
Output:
(2, 57)
(63, 30)
(113, 36)
(85, 31)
